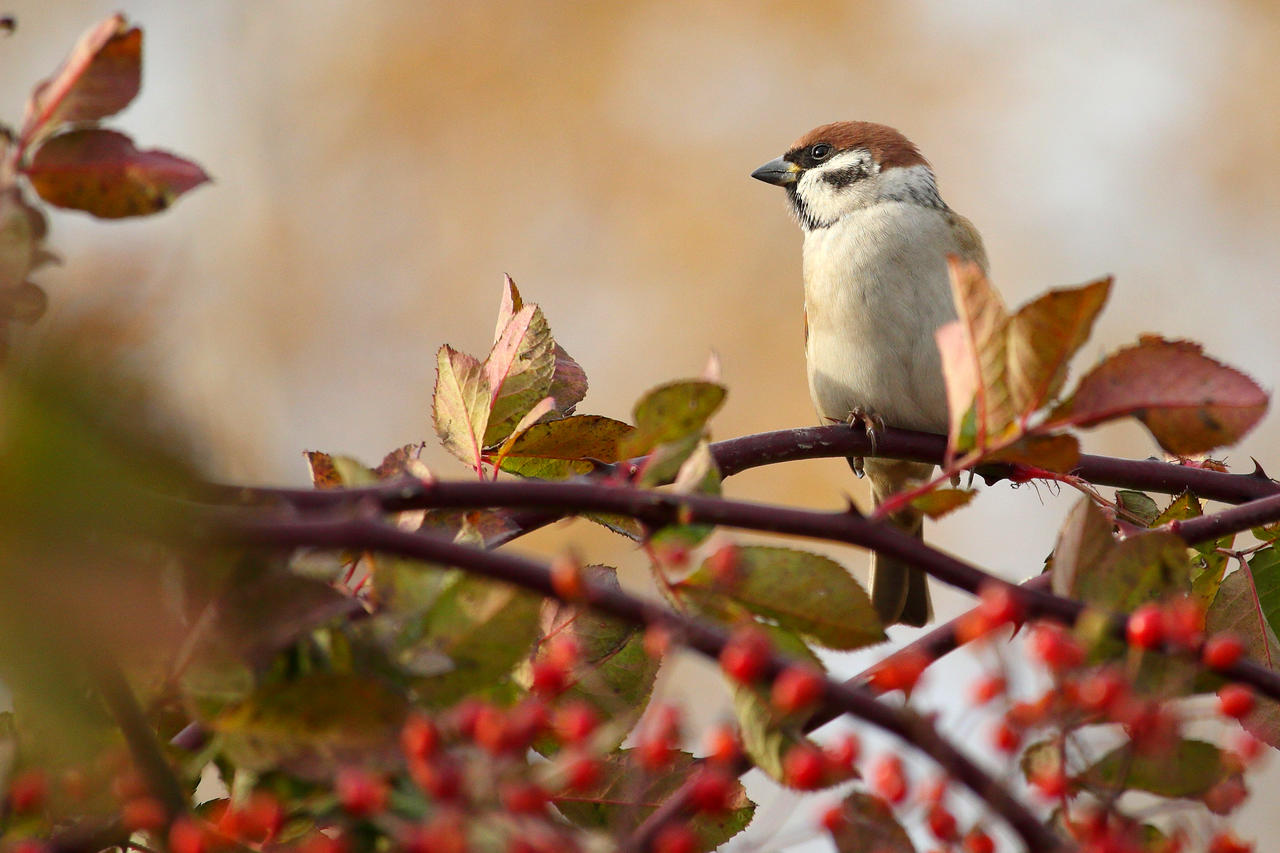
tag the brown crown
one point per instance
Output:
(888, 146)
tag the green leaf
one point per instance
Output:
(672, 412)
(262, 614)
(615, 674)
(627, 793)
(803, 592)
(1139, 569)
(519, 370)
(1139, 505)
(102, 173)
(940, 502)
(484, 628)
(1235, 611)
(1208, 565)
(1190, 403)
(1265, 566)
(461, 404)
(309, 725)
(1042, 758)
(871, 827)
(559, 449)
(1187, 771)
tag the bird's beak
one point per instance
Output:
(778, 172)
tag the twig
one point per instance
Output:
(366, 534)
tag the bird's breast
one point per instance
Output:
(876, 288)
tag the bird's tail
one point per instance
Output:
(899, 592)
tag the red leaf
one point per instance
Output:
(100, 77)
(102, 173)
(1190, 402)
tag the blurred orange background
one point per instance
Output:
(378, 166)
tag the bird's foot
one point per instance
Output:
(872, 423)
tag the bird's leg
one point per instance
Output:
(873, 424)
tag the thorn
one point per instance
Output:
(1258, 473)
(851, 508)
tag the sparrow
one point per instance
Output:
(876, 240)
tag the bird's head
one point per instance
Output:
(841, 167)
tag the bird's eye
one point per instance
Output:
(820, 151)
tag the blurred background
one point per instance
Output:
(379, 166)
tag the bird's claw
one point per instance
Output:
(872, 423)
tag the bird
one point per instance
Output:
(877, 237)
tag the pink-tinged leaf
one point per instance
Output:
(461, 404)
(543, 407)
(1043, 336)
(100, 77)
(960, 376)
(568, 382)
(22, 228)
(558, 449)
(102, 173)
(511, 305)
(1190, 402)
(519, 370)
(983, 318)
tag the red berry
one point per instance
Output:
(888, 779)
(796, 688)
(566, 577)
(440, 777)
(1146, 627)
(711, 790)
(1226, 842)
(188, 836)
(988, 688)
(1000, 604)
(360, 792)
(549, 679)
(28, 791)
(676, 838)
(803, 767)
(1102, 690)
(1226, 796)
(575, 722)
(419, 737)
(1235, 700)
(722, 745)
(746, 655)
(1248, 747)
(563, 651)
(142, 813)
(318, 842)
(1051, 784)
(657, 641)
(465, 716)
(524, 798)
(1222, 651)
(490, 731)
(1184, 623)
(582, 772)
(977, 841)
(262, 816)
(942, 823)
(723, 564)
(1055, 648)
(834, 818)
(899, 671)
(1005, 737)
(843, 752)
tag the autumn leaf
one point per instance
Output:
(461, 404)
(558, 449)
(22, 228)
(973, 348)
(102, 173)
(519, 369)
(1042, 338)
(939, 502)
(1190, 402)
(100, 77)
